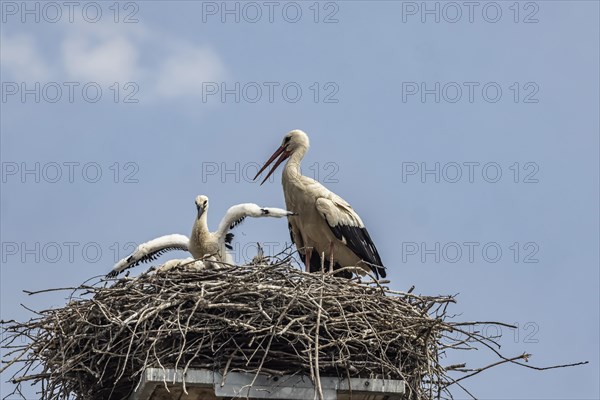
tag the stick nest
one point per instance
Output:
(271, 319)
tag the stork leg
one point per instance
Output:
(330, 256)
(323, 262)
(307, 254)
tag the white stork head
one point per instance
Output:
(294, 142)
(295, 139)
(201, 205)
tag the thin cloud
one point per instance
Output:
(184, 71)
(21, 59)
(173, 68)
(165, 67)
(108, 60)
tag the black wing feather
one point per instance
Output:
(228, 240)
(291, 233)
(229, 236)
(359, 241)
(236, 222)
(147, 258)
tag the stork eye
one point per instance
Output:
(287, 139)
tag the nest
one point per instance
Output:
(270, 319)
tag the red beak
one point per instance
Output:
(284, 155)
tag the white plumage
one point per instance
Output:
(326, 223)
(201, 243)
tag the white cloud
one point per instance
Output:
(90, 55)
(21, 59)
(184, 71)
(165, 67)
(172, 67)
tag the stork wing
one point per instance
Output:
(149, 251)
(347, 226)
(236, 214)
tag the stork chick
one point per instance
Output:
(202, 243)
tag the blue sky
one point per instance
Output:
(468, 145)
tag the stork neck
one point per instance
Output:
(292, 167)
(200, 225)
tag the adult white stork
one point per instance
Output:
(326, 223)
(202, 242)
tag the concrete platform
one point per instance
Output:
(207, 385)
